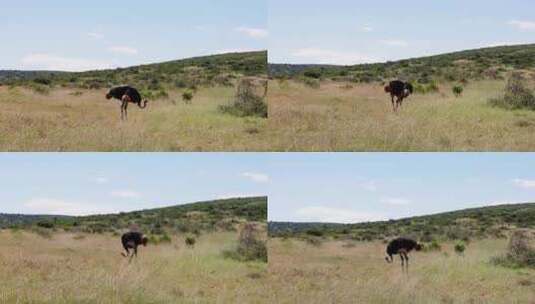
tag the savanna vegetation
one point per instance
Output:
(206, 252)
(481, 255)
(463, 101)
(59, 111)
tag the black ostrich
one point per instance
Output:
(401, 246)
(126, 94)
(400, 90)
(131, 240)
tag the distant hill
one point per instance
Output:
(207, 70)
(195, 217)
(492, 62)
(492, 221)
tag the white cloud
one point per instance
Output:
(126, 194)
(101, 180)
(366, 29)
(523, 25)
(256, 177)
(95, 35)
(61, 207)
(370, 185)
(237, 195)
(336, 215)
(124, 50)
(395, 201)
(256, 33)
(236, 50)
(59, 63)
(524, 183)
(394, 42)
(324, 56)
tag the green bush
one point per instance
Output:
(312, 74)
(187, 96)
(312, 83)
(249, 248)
(457, 90)
(433, 246)
(190, 241)
(517, 95)
(459, 248)
(520, 252)
(247, 102)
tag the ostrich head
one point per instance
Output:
(109, 96)
(387, 89)
(144, 241)
(389, 259)
(418, 247)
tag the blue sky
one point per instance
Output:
(328, 187)
(366, 187)
(81, 35)
(358, 31)
(80, 184)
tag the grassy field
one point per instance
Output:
(340, 116)
(83, 268)
(64, 120)
(339, 272)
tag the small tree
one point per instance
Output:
(457, 90)
(187, 96)
(190, 241)
(459, 248)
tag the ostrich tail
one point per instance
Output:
(144, 104)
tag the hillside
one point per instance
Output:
(482, 222)
(485, 63)
(194, 218)
(199, 71)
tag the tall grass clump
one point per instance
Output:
(517, 95)
(520, 251)
(247, 101)
(250, 247)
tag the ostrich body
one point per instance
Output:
(126, 94)
(401, 246)
(398, 90)
(131, 240)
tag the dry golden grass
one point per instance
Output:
(334, 273)
(61, 121)
(89, 269)
(349, 117)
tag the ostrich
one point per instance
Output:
(126, 94)
(131, 240)
(401, 246)
(400, 90)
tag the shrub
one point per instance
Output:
(314, 241)
(187, 96)
(312, 74)
(247, 102)
(43, 81)
(312, 82)
(165, 238)
(433, 246)
(190, 241)
(249, 248)
(40, 89)
(517, 95)
(457, 90)
(459, 248)
(520, 252)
